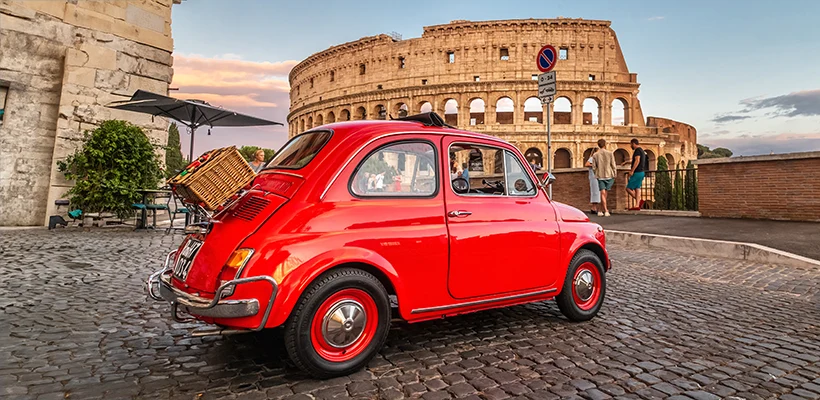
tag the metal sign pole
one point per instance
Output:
(549, 148)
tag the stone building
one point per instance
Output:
(482, 77)
(61, 61)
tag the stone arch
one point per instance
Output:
(620, 115)
(670, 161)
(592, 111)
(505, 111)
(533, 111)
(344, 115)
(320, 119)
(331, 117)
(562, 158)
(380, 111)
(310, 122)
(401, 110)
(683, 149)
(425, 107)
(451, 112)
(477, 108)
(534, 156)
(361, 113)
(621, 156)
(651, 160)
(302, 125)
(562, 111)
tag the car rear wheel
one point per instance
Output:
(584, 287)
(339, 324)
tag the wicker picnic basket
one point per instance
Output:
(209, 184)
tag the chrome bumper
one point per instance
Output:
(160, 288)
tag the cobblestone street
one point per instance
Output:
(75, 323)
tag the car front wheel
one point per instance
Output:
(584, 287)
(339, 324)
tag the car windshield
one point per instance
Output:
(300, 150)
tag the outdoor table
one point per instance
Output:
(144, 215)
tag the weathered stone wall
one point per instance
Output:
(62, 62)
(379, 76)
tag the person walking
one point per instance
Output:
(603, 164)
(636, 174)
(594, 192)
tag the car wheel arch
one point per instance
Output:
(598, 250)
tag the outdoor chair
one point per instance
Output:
(54, 220)
(173, 211)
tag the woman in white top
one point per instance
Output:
(594, 193)
(380, 182)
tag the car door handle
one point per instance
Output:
(459, 213)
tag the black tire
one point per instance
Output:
(568, 303)
(299, 327)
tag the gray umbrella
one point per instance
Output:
(191, 113)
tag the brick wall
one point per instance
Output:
(571, 187)
(780, 187)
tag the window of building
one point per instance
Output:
(535, 77)
(563, 53)
(311, 83)
(504, 54)
(332, 76)
(451, 57)
(477, 78)
(424, 81)
(361, 69)
(591, 77)
(402, 63)
(403, 169)
(4, 90)
(379, 87)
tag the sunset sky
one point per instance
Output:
(745, 76)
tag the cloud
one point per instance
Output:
(749, 145)
(795, 104)
(656, 18)
(259, 89)
(723, 118)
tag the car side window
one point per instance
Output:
(518, 181)
(401, 169)
(477, 170)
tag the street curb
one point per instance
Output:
(711, 248)
(664, 213)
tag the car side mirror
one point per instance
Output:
(548, 180)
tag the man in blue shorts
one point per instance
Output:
(636, 174)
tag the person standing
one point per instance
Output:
(603, 164)
(258, 161)
(465, 173)
(594, 192)
(636, 174)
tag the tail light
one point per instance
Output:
(233, 268)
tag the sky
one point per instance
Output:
(745, 74)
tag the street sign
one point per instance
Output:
(546, 86)
(547, 99)
(547, 58)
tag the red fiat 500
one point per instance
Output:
(355, 223)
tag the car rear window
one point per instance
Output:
(300, 150)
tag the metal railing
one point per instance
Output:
(675, 189)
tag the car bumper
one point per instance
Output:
(160, 288)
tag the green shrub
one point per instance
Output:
(115, 161)
(663, 186)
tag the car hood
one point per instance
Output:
(568, 213)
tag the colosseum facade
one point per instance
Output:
(482, 77)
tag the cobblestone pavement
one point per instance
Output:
(75, 323)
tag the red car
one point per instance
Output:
(353, 224)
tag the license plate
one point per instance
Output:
(186, 258)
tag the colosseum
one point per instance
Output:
(482, 77)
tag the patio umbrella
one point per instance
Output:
(191, 113)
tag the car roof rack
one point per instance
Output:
(428, 119)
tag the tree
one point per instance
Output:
(720, 152)
(663, 186)
(678, 201)
(249, 151)
(115, 161)
(690, 188)
(174, 162)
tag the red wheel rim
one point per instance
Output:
(344, 325)
(586, 286)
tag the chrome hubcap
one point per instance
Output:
(344, 323)
(584, 285)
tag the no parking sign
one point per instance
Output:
(547, 58)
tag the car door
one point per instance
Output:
(503, 234)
